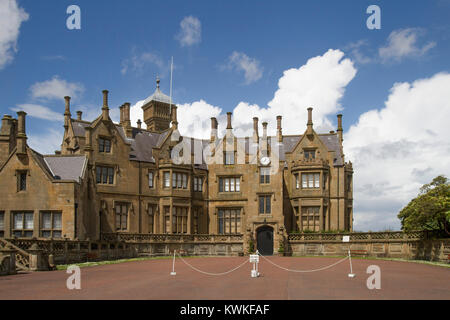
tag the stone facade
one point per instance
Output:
(116, 178)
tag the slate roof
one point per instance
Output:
(331, 141)
(143, 141)
(157, 96)
(66, 167)
(78, 127)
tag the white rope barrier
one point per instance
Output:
(210, 273)
(303, 271)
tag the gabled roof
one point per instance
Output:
(66, 167)
(330, 140)
(142, 141)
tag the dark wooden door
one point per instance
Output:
(265, 241)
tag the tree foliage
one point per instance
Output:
(430, 210)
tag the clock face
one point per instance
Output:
(265, 161)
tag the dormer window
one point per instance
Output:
(310, 154)
(228, 157)
(104, 145)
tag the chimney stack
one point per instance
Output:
(126, 119)
(6, 125)
(174, 117)
(339, 129)
(255, 130)
(79, 115)
(279, 130)
(67, 114)
(21, 134)
(264, 140)
(7, 138)
(309, 130)
(121, 114)
(214, 126)
(139, 124)
(229, 120)
(264, 124)
(105, 109)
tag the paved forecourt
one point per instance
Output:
(151, 279)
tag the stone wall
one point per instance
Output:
(411, 246)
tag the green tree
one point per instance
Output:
(430, 210)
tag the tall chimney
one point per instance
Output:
(174, 117)
(6, 125)
(21, 134)
(339, 129)
(105, 109)
(229, 120)
(213, 129)
(79, 115)
(7, 138)
(67, 114)
(126, 119)
(309, 130)
(279, 130)
(264, 124)
(139, 124)
(264, 140)
(255, 130)
(121, 114)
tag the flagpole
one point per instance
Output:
(171, 72)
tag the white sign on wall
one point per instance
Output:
(345, 238)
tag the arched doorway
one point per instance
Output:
(264, 240)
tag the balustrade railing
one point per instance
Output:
(361, 236)
(22, 257)
(139, 237)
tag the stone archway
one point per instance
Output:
(264, 240)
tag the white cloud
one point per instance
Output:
(56, 88)
(38, 111)
(137, 113)
(239, 61)
(319, 83)
(403, 43)
(46, 142)
(356, 50)
(194, 119)
(54, 57)
(11, 17)
(190, 31)
(397, 149)
(138, 62)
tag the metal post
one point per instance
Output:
(173, 273)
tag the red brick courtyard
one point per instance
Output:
(151, 279)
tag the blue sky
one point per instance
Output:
(236, 56)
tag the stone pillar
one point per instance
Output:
(10, 254)
(37, 259)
